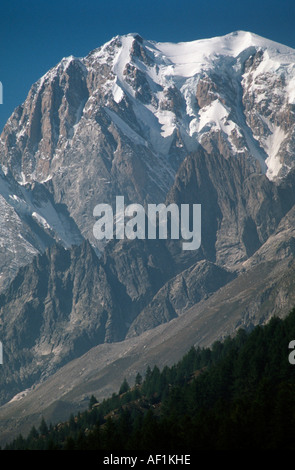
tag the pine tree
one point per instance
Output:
(124, 387)
(43, 429)
(92, 402)
(138, 379)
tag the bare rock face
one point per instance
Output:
(46, 120)
(31, 221)
(269, 111)
(179, 294)
(206, 92)
(240, 209)
(55, 309)
(68, 300)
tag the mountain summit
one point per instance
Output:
(163, 97)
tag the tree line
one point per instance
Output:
(239, 394)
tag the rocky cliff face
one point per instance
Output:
(31, 221)
(69, 300)
(240, 209)
(55, 308)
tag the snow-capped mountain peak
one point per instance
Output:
(123, 119)
(182, 91)
(177, 96)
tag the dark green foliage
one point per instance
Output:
(239, 394)
(138, 379)
(124, 387)
(92, 402)
(43, 428)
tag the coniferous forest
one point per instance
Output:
(237, 395)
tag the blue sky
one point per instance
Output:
(36, 34)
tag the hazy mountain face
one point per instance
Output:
(209, 122)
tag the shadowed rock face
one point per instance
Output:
(240, 208)
(67, 301)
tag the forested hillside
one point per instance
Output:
(238, 394)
